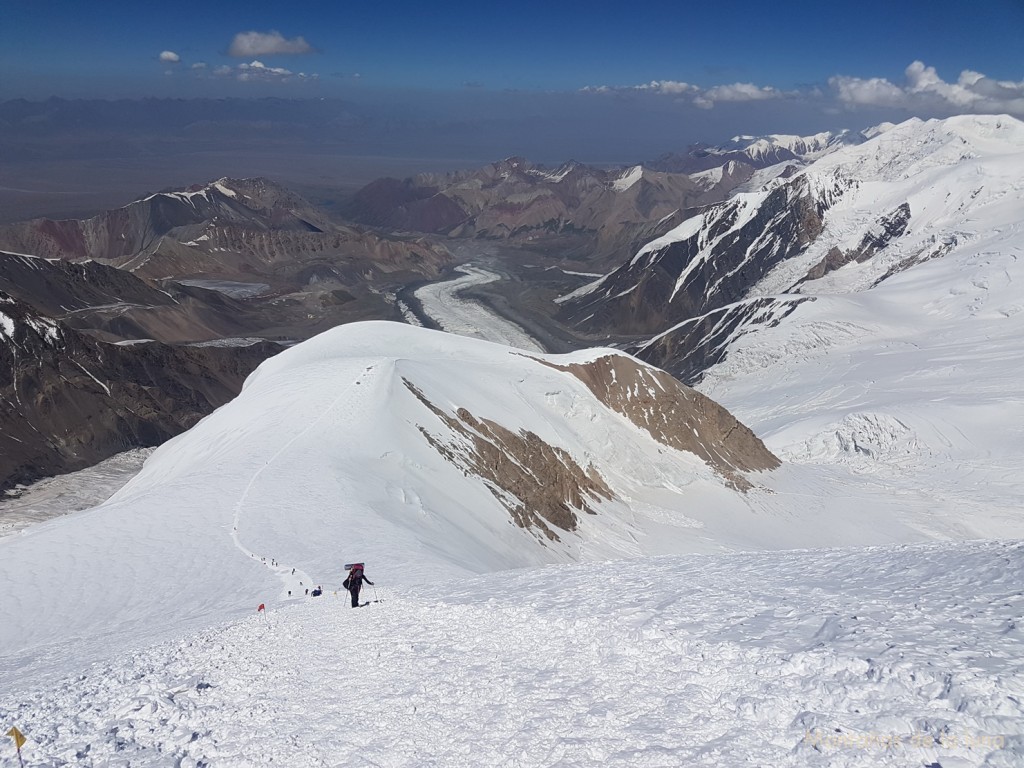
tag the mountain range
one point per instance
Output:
(227, 264)
(848, 222)
(561, 543)
(591, 212)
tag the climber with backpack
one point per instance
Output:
(355, 581)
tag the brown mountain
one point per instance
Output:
(114, 304)
(250, 230)
(575, 208)
(71, 400)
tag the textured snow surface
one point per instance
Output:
(908, 656)
(915, 385)
(322, 460)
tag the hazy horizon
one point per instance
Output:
(332, 96)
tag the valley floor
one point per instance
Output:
(910, 655)
(63, 494)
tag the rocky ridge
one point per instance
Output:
(71, 400)
(237, 229)
(579, 207)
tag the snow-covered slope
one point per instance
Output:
(428, 455)
(373, 442)
(916, 192)
(888, 346)
(904, 656)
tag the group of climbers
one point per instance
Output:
(353, 583)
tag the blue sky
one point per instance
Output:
(613, 82)
(112, 49)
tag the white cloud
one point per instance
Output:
(876, 91)
(271, 43)
(923, 90)
(737, 92)
(669, 87)
(257, 71)
(703, 98)
(169, 57)
(199, 65)
(972, 92)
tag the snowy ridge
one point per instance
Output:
(960, 179)
(554, 176)
(386, 438)
(953, 174)
(187, 195)
(367, 435)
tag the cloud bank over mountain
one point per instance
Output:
(924, 90)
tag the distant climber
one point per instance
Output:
(316, 592)
(354, 583)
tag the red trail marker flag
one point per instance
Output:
(261, 608)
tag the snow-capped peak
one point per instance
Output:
(628, 178)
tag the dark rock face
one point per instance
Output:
(114, 303)
(71, 401)
(731, 249)
(887, 229)
(676, 415)
(690, 348)
(541, 486)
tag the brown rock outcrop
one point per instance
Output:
(675, 415)
(541, 486)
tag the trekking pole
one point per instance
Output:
(375, 598)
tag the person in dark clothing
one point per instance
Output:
(353, 584)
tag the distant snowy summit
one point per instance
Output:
(854, 218)
(760, 152)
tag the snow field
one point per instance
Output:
(886, 656)
(914, 386)
(320, 461)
